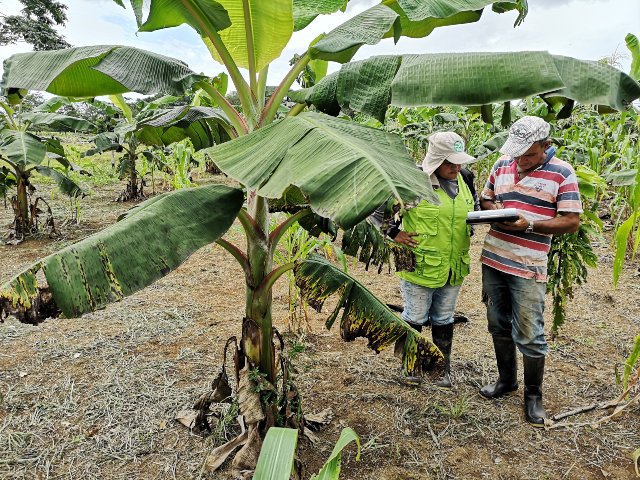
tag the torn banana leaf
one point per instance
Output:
(364, 315)
(144, 245)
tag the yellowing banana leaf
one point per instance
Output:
(345, 169)
(145, 245)
(364, 315)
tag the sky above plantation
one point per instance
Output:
(586, 29)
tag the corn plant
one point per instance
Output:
(310, 161)
(276, 461)
(297, 244)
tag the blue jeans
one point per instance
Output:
(515, 308)
(424, 303)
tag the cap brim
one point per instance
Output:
(515, 149)
(460, 158)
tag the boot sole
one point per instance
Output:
(535, 425)
(510, 392)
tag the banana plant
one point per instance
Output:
(157, 127)
(334, 168)
(24, 152)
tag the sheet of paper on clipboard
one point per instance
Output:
(491, 216)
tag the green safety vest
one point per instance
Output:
(444, 237)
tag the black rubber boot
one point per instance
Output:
(533, 375)
(507, 369)
(443, 338)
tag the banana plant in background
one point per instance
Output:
(24, 152)
(156, 127)
(334, 168)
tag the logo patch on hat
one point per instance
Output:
(458, 146)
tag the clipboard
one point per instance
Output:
(492, 216)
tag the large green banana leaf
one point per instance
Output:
(99, 70)
(271, 24)
(363, 314)
(57, 121)
(22, 148)
(204, 126)
(201, 15)
(395, 18)
(371, 85)
(145, 245)
(346, 169)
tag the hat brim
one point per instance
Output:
(460, 158)
(431, 163)
(515, 149)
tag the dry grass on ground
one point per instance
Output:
(95, 397)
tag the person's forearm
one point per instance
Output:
(567, 223)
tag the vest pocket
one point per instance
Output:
(426, 221)
(427, 262)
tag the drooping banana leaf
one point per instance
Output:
(347, 170)
(204, 126)
(57, 121)
(145, 245)
(364, 315)
(466, 79)
(595, 83)
(65, 184)
(395, 18)
(99, 70)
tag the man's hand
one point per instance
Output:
(406, 238)
(519, 225)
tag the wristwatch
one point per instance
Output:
(529, 229)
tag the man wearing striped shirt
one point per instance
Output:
(544, 189)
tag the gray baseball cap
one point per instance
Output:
(524, 133)
(445, 146)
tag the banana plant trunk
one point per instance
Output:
(22, 204)
(257, 332)
(133, 175)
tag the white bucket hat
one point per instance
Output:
(524, 133)
(445, 146)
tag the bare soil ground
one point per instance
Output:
(96, 397)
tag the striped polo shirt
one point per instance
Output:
(548, 190)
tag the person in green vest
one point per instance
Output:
(439, 237)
